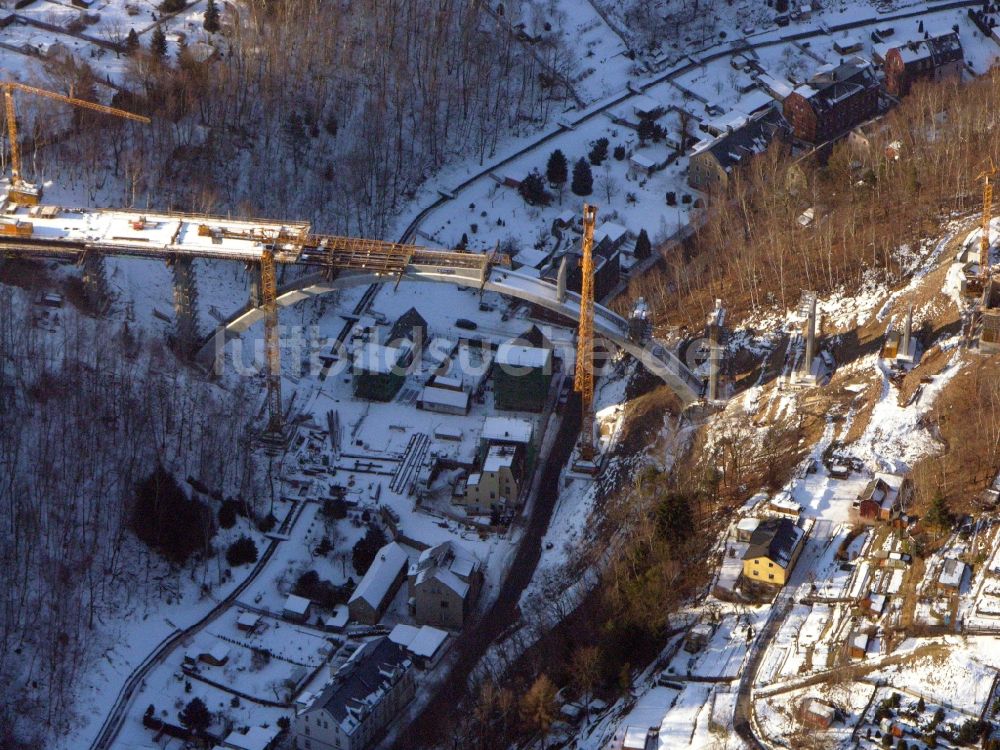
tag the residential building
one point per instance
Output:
(521, 376)
(506, 430)
(774, 547)
(379, 584)
(713, 162)
(444, 395)
(379, 371)
(444, 583)
(834, 101)
(349, 713)
(497, 483)
(884, 498)
(933, 58)
(607, 271)
(410, 327)
(951, 575)
(424, 645)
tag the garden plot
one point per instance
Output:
(778, 715)
(269, 666)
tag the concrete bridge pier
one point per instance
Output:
(185, 305)
(256, 298)
(95, 281)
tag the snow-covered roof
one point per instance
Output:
(449, 563)
(389, 562)
(499, 456)
(443, 381)
(515, 355)
(952, 572)
(248, 620)
(219, 651)
(403, 634)
(531, 257)
(427, 641)
(444, 397)
(447, 433)
(339, 617)
(372, 357)
(776, 539)
(256, 738)
(423, 641)
(644, 103)
(508, 429)
(635, 738)
(642, 161)
(876, 602)
(613, 232)
(361, 684)
(297, 605)
(748, 525)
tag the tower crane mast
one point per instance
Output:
(583, 382)
(986, 176)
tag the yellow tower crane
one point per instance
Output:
(583, 382)
(986, 176)
(20, 191)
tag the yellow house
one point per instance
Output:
(774, 547)
(498, 483)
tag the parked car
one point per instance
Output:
(467, 324)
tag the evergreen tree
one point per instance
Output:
(557, 170)
(241, 552)
(532, 189)
(643, 247)
(366, 548)
(158, 43)
(195, 716)
(645, 130)
(599, 152)
(583, 178)
(132, 41)
(167, 520)
(619, 153)
(938, 515)
(674, 518)
(211, 22)
(172, 6)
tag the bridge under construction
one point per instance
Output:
(88, 236)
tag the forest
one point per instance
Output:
(89, 412)
(335, 113)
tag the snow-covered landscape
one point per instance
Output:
(318, 480)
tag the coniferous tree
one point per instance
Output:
(211, 22)
(158, 43)
(583, 178)
(643, 247)
(557, 170)
(132, 41)
(645, 130)
(241, 552)
(532, 189)
(195, 716)
(599, 152)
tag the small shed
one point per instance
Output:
(818, 713)
(641, 165)
(248, 622)
(296, 608)
(338, 620)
